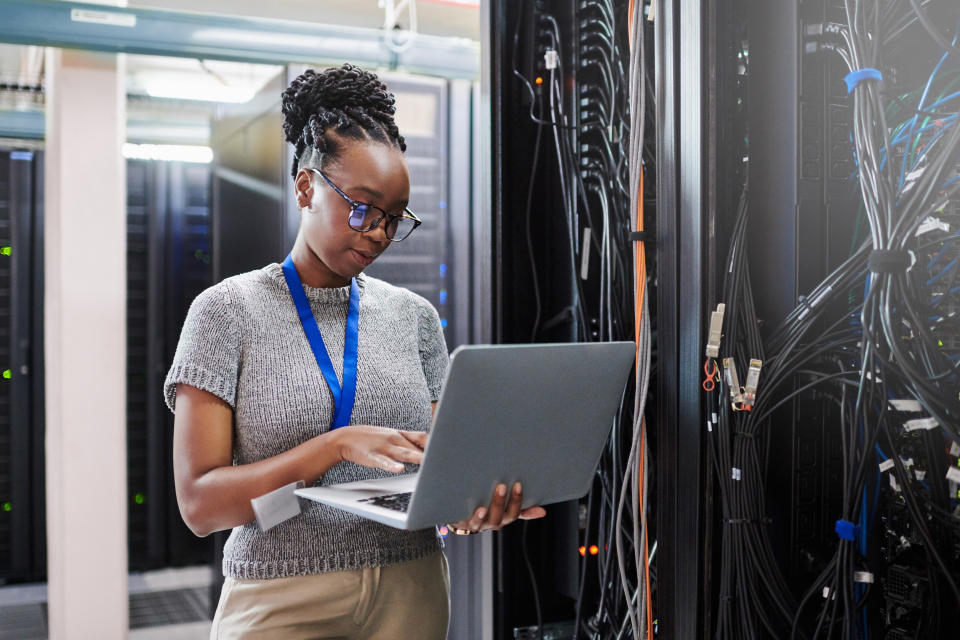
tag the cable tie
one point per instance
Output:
(847, 530)
(927, 424)
(863, 576)
(735, 473)
(856, 77)
(643, 236)
(888, 261)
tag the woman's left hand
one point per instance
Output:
(501, 512)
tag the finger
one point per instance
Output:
(406, 454)
(516, 500)
(497, 504)
(417, 438)
(380, 461)
(533, 513)
(476, 521)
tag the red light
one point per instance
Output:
(594, 549)
(539, 81)
(583, 551)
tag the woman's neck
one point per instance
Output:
(311, 269)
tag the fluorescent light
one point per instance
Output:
(183, 86)
(168, 152)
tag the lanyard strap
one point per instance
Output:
(342, 397)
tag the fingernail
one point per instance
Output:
(517, 489)
(501, 490)
(481, 513)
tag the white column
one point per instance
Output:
(85, 332)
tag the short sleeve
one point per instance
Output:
(208, 354)
(433, 349)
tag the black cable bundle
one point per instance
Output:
(585, 118)
(885, 360)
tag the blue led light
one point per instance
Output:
(443, 322)
(443, 296)
(443, 204)
(443, 269)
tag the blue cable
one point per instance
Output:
(923, 98)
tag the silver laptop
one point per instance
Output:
(537, 414)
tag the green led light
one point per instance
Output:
(6, 251)
(7, 506)
(198, 254)
(8, 374)
(939, 343)
(139, 498)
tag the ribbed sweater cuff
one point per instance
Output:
(196, 376)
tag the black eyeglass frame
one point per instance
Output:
(407, 213)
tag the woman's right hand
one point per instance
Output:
(379, 447)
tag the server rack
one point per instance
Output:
(169, 262)
(22, 489)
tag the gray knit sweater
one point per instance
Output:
(242, 341)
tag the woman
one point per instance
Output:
(255, 386)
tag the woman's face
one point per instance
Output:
(369, 172)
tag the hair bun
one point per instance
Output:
(332, 94)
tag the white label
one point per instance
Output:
(735, 473)
(709, 426)
(920, 423)
(907, 462)
(953, 474)
(893, 483)
(886, 465)
(955, 449)
(863, 576)
(920, 474)
(930, 224)
(907, 405)
(111, 18)
(585, 254)
(277, 506)
(714, 416)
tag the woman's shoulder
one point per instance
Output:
(241, 290)
(381, 290)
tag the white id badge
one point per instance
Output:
(277, 506)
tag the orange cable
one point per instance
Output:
(641, 285)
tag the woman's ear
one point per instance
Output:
(303, 188)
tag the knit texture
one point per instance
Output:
(242, 341)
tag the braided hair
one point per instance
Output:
(348, 100)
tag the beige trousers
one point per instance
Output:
(409, 600)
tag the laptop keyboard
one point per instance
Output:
(395, 501)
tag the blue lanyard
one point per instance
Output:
(342, 398)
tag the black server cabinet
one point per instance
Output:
(22, 487)
(169, 262)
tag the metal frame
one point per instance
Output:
(683, 211)
(195, 35)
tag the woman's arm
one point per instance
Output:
(214, 495)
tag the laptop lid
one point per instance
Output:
(539, 414)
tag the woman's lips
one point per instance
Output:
(363, 259)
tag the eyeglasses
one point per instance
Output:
(365, 217)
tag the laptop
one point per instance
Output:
(539, 414)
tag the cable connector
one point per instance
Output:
(551, 59)
(733, 383)
(750, 388)
(715, 332)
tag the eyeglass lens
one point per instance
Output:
(363, 218)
